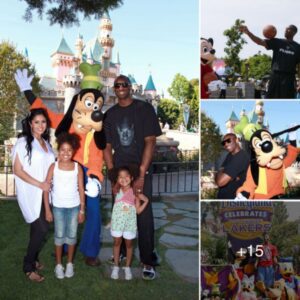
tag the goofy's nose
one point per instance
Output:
(97, 116)
(266, 147)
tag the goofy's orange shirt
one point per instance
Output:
(270, 182)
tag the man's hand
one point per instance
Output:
(138, 185)
(22, 80)
(244, 29)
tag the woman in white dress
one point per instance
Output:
(32, 156)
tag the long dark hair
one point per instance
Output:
(26, 129)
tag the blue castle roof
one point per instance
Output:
(150, 84)
(63, 47)
(132, 79)
(93, 50)
(233, 117)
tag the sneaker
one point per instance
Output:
(128, 274)
(148, 273)
(59, 271)
(115, 273)
(69, 270)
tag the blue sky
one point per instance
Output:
(216, 16)
(280, 114)
(160, 33)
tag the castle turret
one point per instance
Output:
(242, 113)
(150, 90)
(72, 87)
(259, 110)
(62, 61)
(79, 45)
(106, 41)
(232, 121)
(135, 87)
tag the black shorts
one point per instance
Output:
(282, 86)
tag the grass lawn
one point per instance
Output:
(88, 283)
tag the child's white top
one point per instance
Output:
(30, 196)
(65, 187)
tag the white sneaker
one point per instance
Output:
(115, 273)
(128, 274)
(59, 271)
(69, 270)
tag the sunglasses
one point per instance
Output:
(121, 84)
(227, 141)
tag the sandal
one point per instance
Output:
(39, 266)
(34, 276)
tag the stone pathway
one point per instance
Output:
(177, 224)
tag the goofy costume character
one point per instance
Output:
(266, 173)
(84, 118)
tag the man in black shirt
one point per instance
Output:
(286, 55)
(234, 168)
(131, 127)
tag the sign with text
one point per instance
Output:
(245, 221)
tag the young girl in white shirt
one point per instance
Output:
(67, 199)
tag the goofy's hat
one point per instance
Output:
(91, 79)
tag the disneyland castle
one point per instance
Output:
(255, 116)
(59, 89)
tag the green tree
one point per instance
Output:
(210, 139)
(180, 89)
(11, 102)
(168, 111)
(280, 214)
(234, 45)
(184, 91)
(256, 66)
(66, 13)
(193, 102)
(281, 235)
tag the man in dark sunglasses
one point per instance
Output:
(233, 171)
(131, 127)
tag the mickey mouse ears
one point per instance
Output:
(91, 79)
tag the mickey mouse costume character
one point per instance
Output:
(84, 118)
(207, 73)
(265, 176)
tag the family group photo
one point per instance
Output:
(99, 150)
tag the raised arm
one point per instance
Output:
(24, 83)
(253, 37)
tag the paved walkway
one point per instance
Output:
(177, 226)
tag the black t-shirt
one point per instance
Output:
(234, 166)
(125, 129)
(286, 55)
